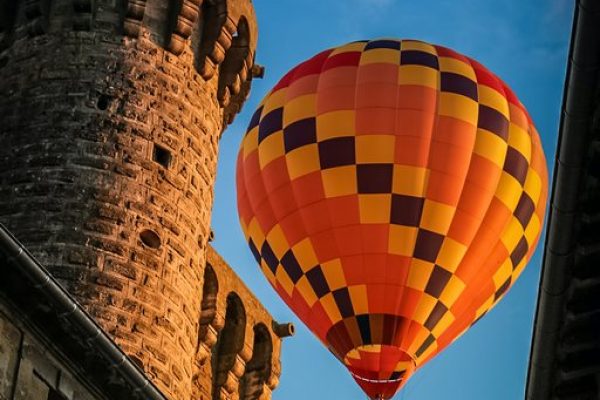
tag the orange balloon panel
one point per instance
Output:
(391, 191)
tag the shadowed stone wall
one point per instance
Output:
(28, 370)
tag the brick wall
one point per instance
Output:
(239, 345)
(110, 117)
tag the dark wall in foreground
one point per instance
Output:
(28, 368)
(565, 355)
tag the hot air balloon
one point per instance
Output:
(392, 191)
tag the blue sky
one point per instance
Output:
(525, 42)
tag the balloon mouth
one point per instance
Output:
(380, 370)
(397, 383)
(380, 389)
(360, 378)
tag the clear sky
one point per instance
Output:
(525, 42)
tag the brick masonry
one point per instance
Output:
(110, 117)
(239, 344)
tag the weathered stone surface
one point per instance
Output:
(238, 354)
(110, 119)
(28, 370)
(10, 344)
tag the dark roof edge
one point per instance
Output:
(576, 117)
(70, 309)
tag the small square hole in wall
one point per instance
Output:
(161, 156)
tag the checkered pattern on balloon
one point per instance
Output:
(391, 191)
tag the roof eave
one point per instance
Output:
(36, 281)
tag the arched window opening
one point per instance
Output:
(183, 19)
(230, 342)
(211, 23)
(153, 15)
(258, 368)
(208, 307)
(132, 14)
(233, 71)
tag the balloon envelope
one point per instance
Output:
(391, 191)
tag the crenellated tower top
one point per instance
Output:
(218, 36)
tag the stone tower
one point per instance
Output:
(110, 117)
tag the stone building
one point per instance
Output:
(565, 351)
(111, 113)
